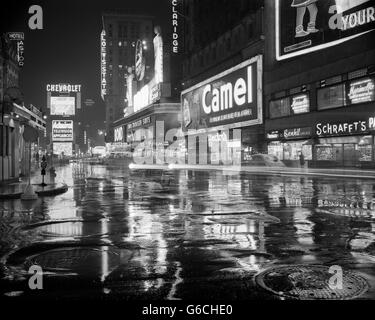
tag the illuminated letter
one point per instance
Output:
(226, 93)
(240, 91)
(249, 84)
(207, 109)
(215, 101)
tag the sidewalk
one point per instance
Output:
(281, 171)
(14, 190)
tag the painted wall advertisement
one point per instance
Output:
(63, 106)
(304, 26)
(62, 130)
(232, 99)
(63, 148)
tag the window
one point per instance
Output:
(279, 108)
(296, 104)
(361, 90)
(331, 97)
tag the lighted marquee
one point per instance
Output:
(62, 130)
(336, 21)
(63, 106)
(63, 148)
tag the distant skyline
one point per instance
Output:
(68, 47)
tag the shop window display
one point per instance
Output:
(290, 150)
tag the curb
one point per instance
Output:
(41, 193)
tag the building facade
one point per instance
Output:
(15, 118)
(319, 84)
(152, 95)
(119, 41)
(222, 98)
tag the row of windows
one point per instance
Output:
(128, 30)
(221, 48)
(337, 95)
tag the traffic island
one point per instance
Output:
(16, 191)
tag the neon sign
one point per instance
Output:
(103, 54)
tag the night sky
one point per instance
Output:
(68, 48)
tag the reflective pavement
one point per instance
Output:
(152, 234)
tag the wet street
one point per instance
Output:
(120, 234)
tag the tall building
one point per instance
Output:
(15, 117)
(222, 79)
(320, 83)
(119, 38)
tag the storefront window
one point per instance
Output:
(280, 108)
(331, 97)
(296, 104)
(276, 149)
(290, 150)
(362, 90)
(325, 153)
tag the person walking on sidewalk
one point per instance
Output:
(302, 160)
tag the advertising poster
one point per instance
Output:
(232, 99)
(62, 106)
(304, 26)
(63, 149)
(62, 130)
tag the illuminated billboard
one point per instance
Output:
(232, 99)
(62, 130)
(63, 106)
(63, 148)
(304, 26)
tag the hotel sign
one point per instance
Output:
(308, 26)
(232, 99)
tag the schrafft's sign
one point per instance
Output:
(64, 88)
(103, 61)
(306, 26)
(232, 98)
(345, 128)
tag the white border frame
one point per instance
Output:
(259, 60)
(304, 51)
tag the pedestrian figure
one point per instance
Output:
(301, 6)
(302, 160)
(37, 159)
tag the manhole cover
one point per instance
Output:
(310, 282)
(74, 259)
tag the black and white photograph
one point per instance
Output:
(187, 159)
